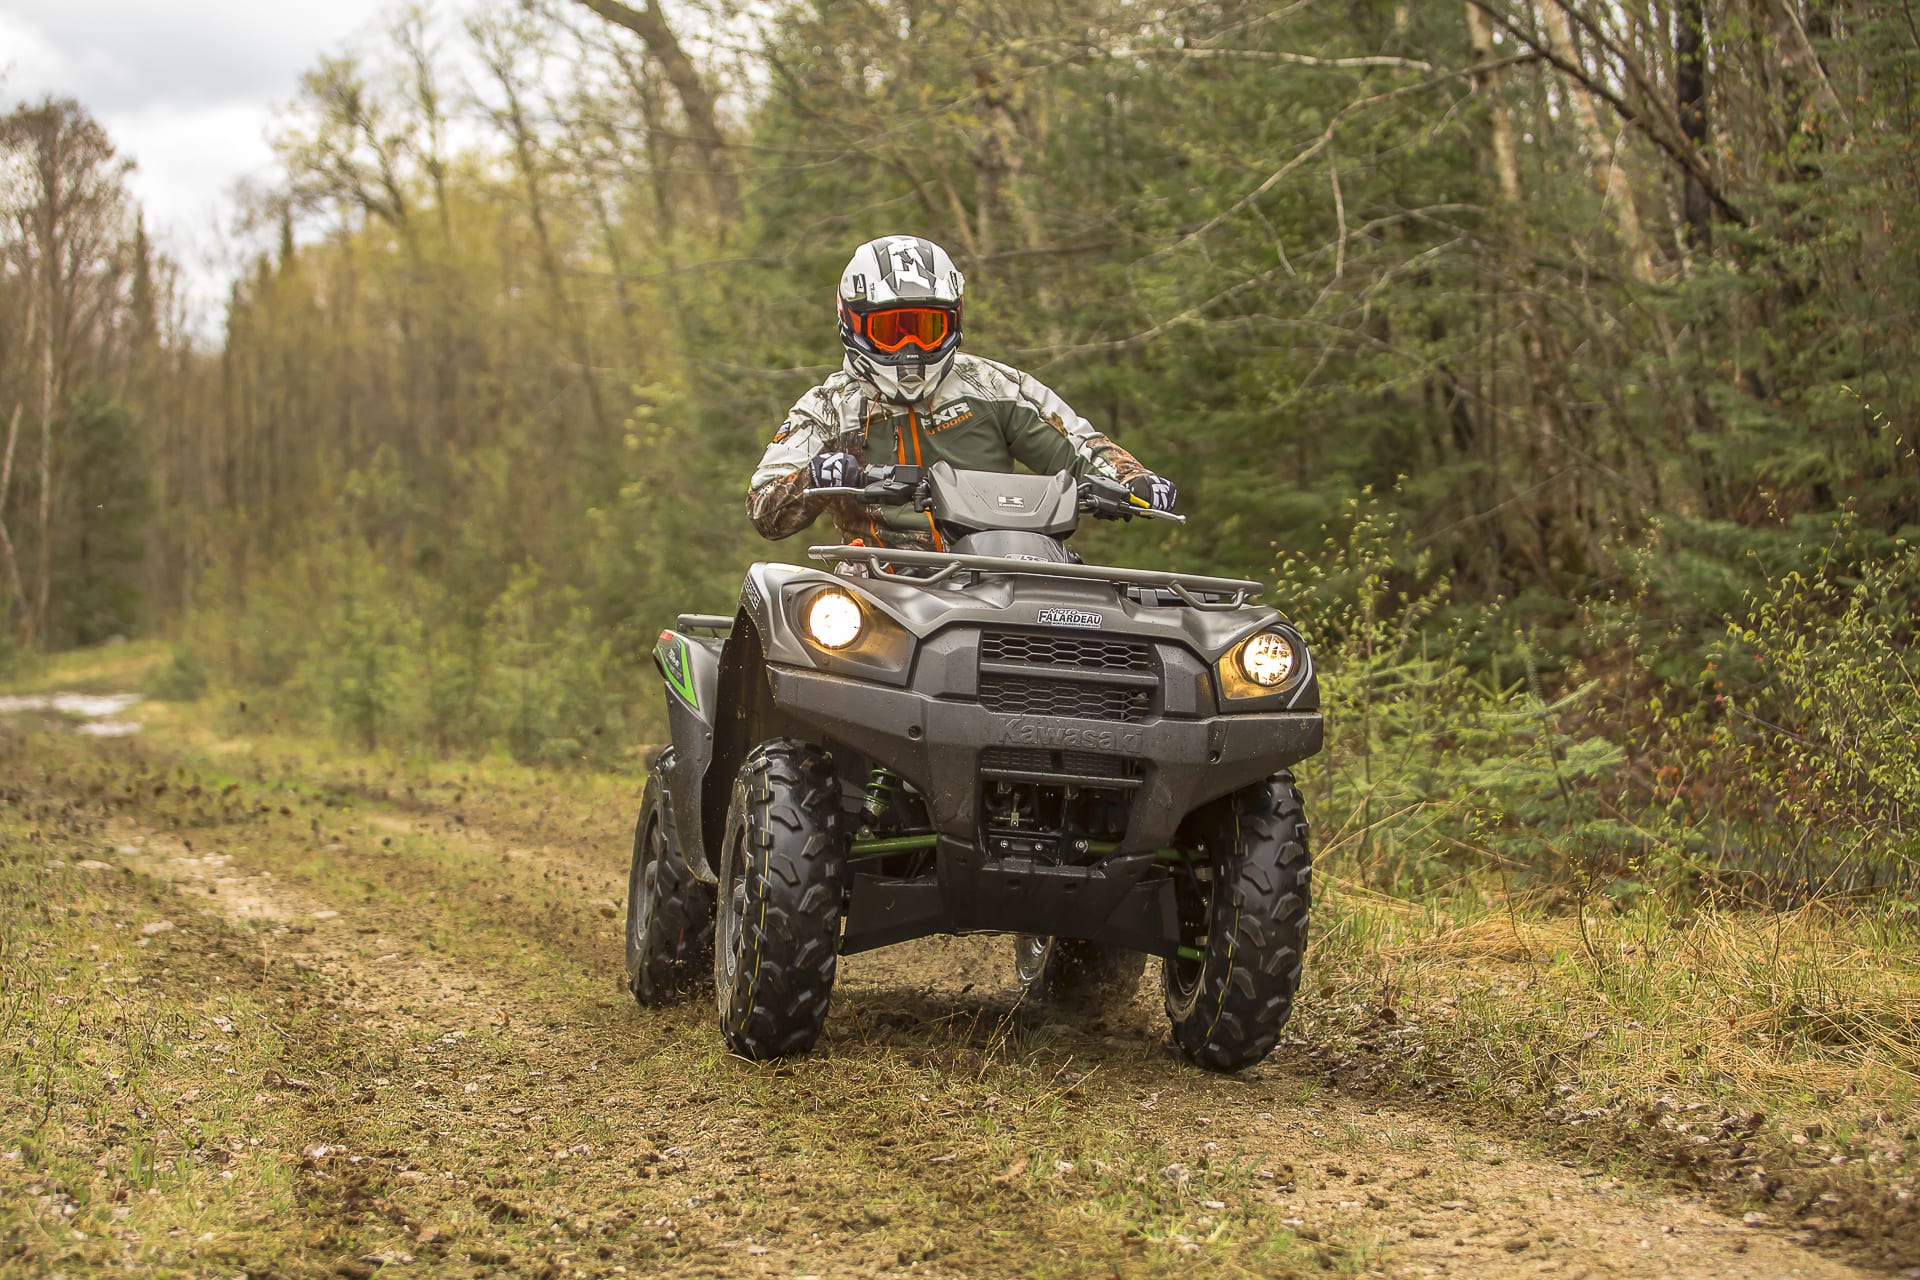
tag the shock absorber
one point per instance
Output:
(880, 792)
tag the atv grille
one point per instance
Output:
(1017, 695)
(1096, 653)
(1085, 764)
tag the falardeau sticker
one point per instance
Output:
(1071, 618)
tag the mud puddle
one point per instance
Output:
(97, 715)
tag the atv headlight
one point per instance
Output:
(1263, 666)
(1267, 659)
(834, 620)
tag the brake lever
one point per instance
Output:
(1155, 513)
(883, 494)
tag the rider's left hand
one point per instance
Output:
(1157, 492)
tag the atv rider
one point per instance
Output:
(906, 394)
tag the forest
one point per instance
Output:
(1556, 361)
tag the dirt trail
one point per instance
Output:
(1421, 1194)
(483, 1098)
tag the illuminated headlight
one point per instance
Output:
(1267, 659)
(834, 620)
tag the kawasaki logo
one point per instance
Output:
(1071, 618)
(1032, 733)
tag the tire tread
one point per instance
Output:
(787, 801)
(1257, 939)
(677, 958)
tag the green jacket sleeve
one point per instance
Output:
(1046, 435)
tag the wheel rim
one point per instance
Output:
(1030, 952)
(645, 892)
(1193, 901)
(638, 912)
(733, 908)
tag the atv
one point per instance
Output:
(991, 736)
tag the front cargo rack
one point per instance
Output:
(717, 623)
(1192, 589)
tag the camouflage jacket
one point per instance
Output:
(984, 416)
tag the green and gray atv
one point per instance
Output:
(992, 737)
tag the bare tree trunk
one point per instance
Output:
(1608, 177)
(1654, 123)
(1003, 173)
(1480, 48)
(1690, 97)
(411, 35)
(617, 263)
(43, 580)
(1552, 438)
(6, 487)
(703, 124)
(566, 317)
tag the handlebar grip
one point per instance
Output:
(882, 492)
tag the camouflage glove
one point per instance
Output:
(834, 471)
(1157, 492)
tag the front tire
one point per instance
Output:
(1243, 927)
(1083, 978)
(669, 912)
(782, 888)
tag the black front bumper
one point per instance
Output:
(936, 744)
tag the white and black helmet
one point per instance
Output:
(900, 315)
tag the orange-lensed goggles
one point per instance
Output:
(897, 327)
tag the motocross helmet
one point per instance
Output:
(900, 316)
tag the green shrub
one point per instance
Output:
(361, 682)
(183, 679)
(1820, 694)
(1434, 765)
(547, 687)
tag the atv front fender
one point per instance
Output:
(690, 667)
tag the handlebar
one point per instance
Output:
(883, 486)
(899, 486)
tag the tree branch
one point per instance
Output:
(1680, 152)
(695, 98)
(1320, 144)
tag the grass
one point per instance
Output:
(114, 668)
(1814, 1007)
(133, 1126)
(1771, 1056)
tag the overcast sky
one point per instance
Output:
(185, 87)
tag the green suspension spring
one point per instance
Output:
(880, 787)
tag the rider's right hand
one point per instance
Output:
(834, 471)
